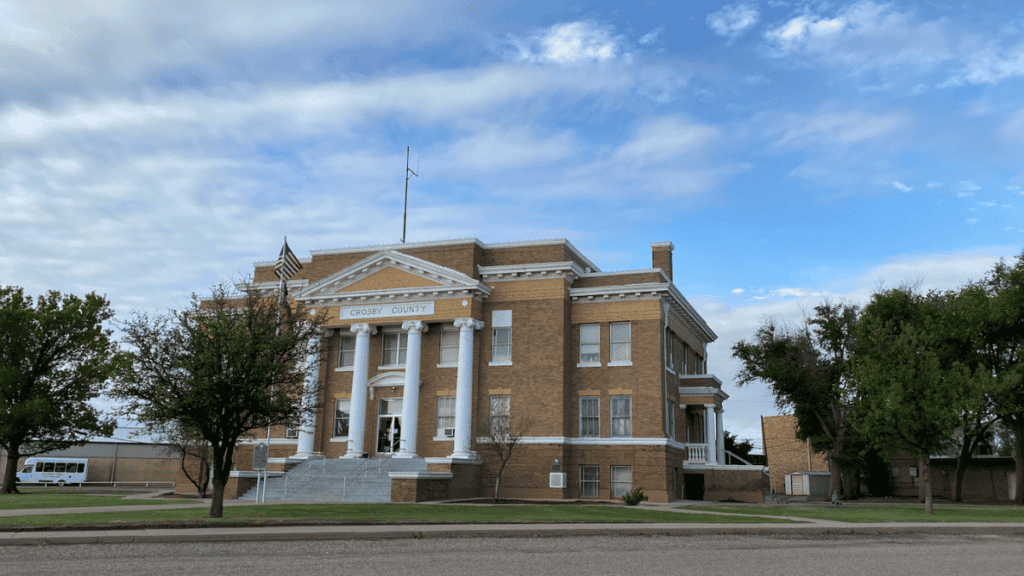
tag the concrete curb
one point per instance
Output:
(392, 532)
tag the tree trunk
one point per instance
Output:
(217, 504)
(497, 481)
(926, 483)
(920, 481)
(835, 481)
(11, 473)
(962, 460)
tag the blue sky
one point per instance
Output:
(792, 151)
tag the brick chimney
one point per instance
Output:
(661, 257)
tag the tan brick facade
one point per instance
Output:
(786, 453)
(549, 290)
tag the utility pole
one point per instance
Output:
(405, 209)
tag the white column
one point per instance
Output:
(719, 434)
(411, 394)
(360, 375)
(305, 448)
(709, 434)
(464, 388)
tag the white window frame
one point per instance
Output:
(445, 417)
(587, 422)
(619, 485)
(400, 351)
(619, 420)
(342, 366)
(593, 347)
(341, 406)
(590, 487)
(670, 358)
(450, 332)
(292, 429)
(615, 346)
(671, 419)
(501, 357)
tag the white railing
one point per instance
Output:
(697, 453)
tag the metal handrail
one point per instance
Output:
(362, 469)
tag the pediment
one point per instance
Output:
(388, 272)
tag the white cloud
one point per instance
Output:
(973, 220)
(969, 186)
(830, 126)
(1014, 127)
(571, 43)
(738, 290)
(987, 204)
(901, 186)
(733, 19)
(870, 36)
(933, 185)
(1017, 189)
(652, 36)
(660, 139)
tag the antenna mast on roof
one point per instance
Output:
(405, 209)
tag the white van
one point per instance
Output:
(58, 471)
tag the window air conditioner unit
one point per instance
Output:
(557, 480)
(449, 432)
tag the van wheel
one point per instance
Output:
(60, 483)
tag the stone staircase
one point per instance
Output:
(338, 480)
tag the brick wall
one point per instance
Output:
(785, 452)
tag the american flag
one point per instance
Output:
(287, 264)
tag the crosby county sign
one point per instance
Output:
(386, 310)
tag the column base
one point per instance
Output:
(354, 455)
(405, 454)
(305, 455)
(472, 456)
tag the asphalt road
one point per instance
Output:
(934, 555)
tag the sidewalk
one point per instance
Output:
(806, 528)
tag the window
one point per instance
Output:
(47, 466)
(671, 419)
(622, 480)
(449, 346)
(619, 343)
(501, 337)
(590, 416)
(588, 481)
(590, 343)
(395, 344)
(292, 430)
(59, 467)
(341, 412)
(499, 416)
(622, 416)
(445, 416)
(347, 351)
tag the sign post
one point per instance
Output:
(260, 458)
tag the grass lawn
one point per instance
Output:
(71, 500)
(395, 513)
(897, 512)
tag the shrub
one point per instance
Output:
(634, 496)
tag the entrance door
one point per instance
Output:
(389, 425)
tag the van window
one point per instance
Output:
(59, 467)
(47, 466)
(81, 467)
(27, 470)
(39, 466)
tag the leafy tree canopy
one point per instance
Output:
(55, 356)
(228, 366)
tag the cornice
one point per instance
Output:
(647, 291)
(538, 271)
(688, 391)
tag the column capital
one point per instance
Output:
(363, 327)
(719, 409)
(469, 323)
(414, 326)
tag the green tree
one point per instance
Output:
(55, 356)
(226, 368)
(999, 331)
(807, 369)
(910, 394)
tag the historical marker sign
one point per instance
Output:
(260, 456)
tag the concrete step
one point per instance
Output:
(339, 480)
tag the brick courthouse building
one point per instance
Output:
(427, 343)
